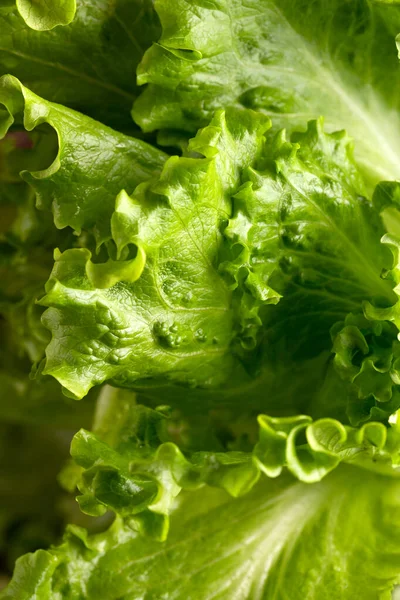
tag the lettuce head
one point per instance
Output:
(200, 299)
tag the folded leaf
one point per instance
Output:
(132, 467)
(367, 356)
(269, 544)
(310, 450)
(88, 152)
(175, 317)
(292, 59)
(139, 480)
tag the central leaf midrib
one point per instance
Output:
(272, 504)
(325, 75)
(338, 89)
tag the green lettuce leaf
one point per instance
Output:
(298, 226)
(136, 463)
(139, 476)
(69, 186)
(293, 60)
(88, 65)
(322, 252)
(272, 543)
(367, 356)
(243, 297)
(159, 308)
(366, 346)
(45, 15)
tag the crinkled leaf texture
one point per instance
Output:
(53, 147)
(173, 315)
(336, 539)
(88, 152)
(304, 210)
(132, 467)
(88, 65)
(293, 59)
(224, 236)
(366, 346)
(367, 357)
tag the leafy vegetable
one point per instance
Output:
(123, 161)
(316, 269)
(44, 15)
(270, 542)
(142, 474)
(228, 314)
(184, 329)
(292, 59)
(90, 64)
